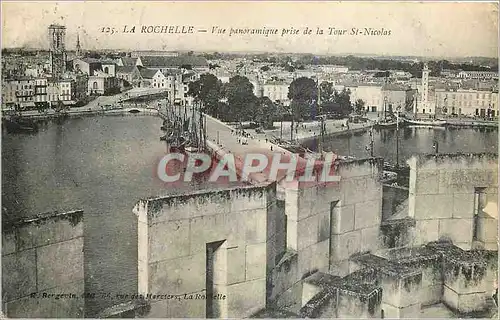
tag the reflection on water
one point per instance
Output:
(415, 141)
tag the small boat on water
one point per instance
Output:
(432, 123)
(428, 127)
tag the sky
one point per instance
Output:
(438, 29)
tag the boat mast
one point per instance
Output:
(397, 136)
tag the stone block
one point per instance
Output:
(187, 308)
(391, 312)
(430, 295)
(19, 275)
(178, 276)
(309, 291)
(464, 180)
(255, 258)
(308, 231)
(463, 205)
(458, 230)
(292, 235)
(208, 229)
(353, 190)
(464, 303)
(8, 243)
(314, 257)
(343, 219)
(367, 214)
(291, 299)
(69, 266)
(324, 226)
(357, 305)
(246, 298)
(339, 268)
(159, 309)
(44, 306)
(344, 245)
(427, 182)
(462, 278)
(168, 240)
(236, 264)
(432, 206)
(373, 189)
(426, 231)
(65, 307)
(47, 232)
(256, 225)
(487, 229)
(370, 239)
(292, 204)
(248, 199)
(401, 291)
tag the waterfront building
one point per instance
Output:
(468, 102)
(125, 73)
(277, 91)
(18, 92)
(109, 68)
(397, 96)
(485, 75)
(102, 84)
(142, 77)
(87, 65)
(370, 93)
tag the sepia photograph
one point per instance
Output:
(249, 159)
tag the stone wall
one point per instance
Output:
(43, 256)
(218, 242)
(442, 197)
(326, 224)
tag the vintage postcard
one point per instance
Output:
(219, 159)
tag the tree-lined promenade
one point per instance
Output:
(235, 101)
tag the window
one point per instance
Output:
(94, 85)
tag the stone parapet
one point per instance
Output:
(42, 266)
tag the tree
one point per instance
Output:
(265, 68)
(266, 112)
(359, 106)
(304, 94)
(208, 91)
(340, 103)
(240, 98)
(326, 91)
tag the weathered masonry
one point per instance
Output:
(42, 266)
(289, 250)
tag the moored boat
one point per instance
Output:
(426, 122)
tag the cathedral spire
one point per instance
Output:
(78, 47)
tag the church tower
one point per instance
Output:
(424, 94)
(57, 48)
(78, 47)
